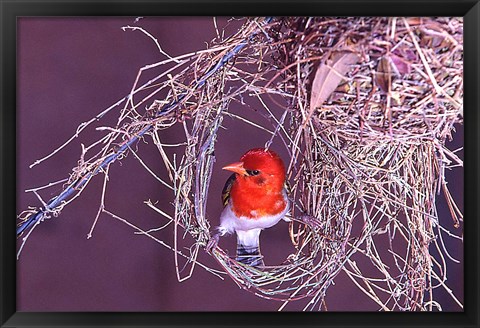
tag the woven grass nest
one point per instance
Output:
(364, 107)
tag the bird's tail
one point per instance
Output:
(248, 248)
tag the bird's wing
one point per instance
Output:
(226, 190)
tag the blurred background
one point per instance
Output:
(69, 70)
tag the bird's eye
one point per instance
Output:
(253, 172)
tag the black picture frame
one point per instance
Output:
(10, 10)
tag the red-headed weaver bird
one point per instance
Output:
(254, 198)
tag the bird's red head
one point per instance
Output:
(259, 168)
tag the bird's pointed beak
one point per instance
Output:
(236, 167)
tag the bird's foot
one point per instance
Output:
(311, 221)
(213, 242)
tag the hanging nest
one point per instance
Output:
(363, 106)
(370, 104)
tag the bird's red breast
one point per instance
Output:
(258, 187)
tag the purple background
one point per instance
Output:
(69, 69)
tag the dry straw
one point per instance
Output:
(366, 106)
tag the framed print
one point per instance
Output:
(174, 163)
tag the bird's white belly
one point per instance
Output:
(230, 223)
